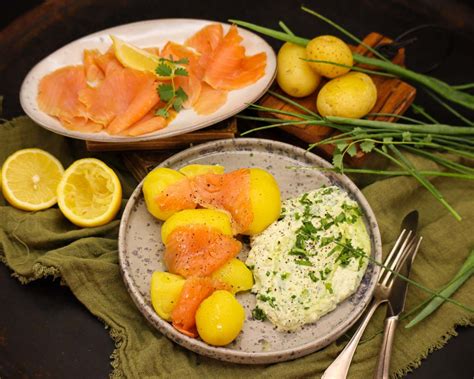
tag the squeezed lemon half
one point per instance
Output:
(134, 57)
(89, 193)
(30, 178)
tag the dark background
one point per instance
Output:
(44, 331)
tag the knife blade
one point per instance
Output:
(396, 300)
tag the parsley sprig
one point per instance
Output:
(174, 97)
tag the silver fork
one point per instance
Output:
(397, 256)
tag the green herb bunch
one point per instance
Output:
(172, 96)
(388, 139)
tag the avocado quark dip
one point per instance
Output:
(310, 260)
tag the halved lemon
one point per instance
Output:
(89, 194)
(134, 57)
(30, 178)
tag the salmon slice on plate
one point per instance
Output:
(210, 100)
(194, 292)
(229, 192)
(198, 250)
(123, 98)
(229, 68)
(205, 41)
(57, 96)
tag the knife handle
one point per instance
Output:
(383, 362)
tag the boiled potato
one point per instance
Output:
(236, 274)
(332, 49)
(154, 184)
(209, 217)
(219, 318)
(264, 199)
(352, 95)
(294, 75)
(165, 291)
(201, 169)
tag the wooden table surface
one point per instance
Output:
(44, 331)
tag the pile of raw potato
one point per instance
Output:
(347, 93)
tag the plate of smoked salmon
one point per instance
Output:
(205, 231)
(148, 80)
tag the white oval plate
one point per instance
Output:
(141, 252)
(145, 34)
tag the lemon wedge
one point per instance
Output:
(30, 178)
(134, 57)
(89, 193)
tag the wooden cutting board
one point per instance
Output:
(393, 96)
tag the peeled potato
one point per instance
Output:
(294, 75)
(165, 291)
(236, 274)
(154, 184)
(219, 318)
(209, 217)
(352, 95)
(201, 169)
(332, 49)
(265, 200)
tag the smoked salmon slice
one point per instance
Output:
(229, 192)
(205, 41)
(107, 62)
(149, 123)
(210, 100)
(57, 95)
(197, 250)
(228, 67)
(194, 291)
(94, 73)
(177, 197)
(123, 98)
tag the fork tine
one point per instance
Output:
(391, 265)
(416, 249)
(393, 251)
(412, 249)
(404, 254)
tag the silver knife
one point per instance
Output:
(396, 305)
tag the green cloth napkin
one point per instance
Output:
(39, 244)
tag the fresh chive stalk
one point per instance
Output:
(434, 302)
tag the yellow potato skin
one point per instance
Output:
(154, 184)
(236, 274)
(329, 48)
(219, 318)
(165, 290)
(294, 75)
(265, 200)
(201, 169)
(352, 95)
(209, 217)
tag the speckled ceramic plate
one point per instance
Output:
(141, 250)
(148, 33)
